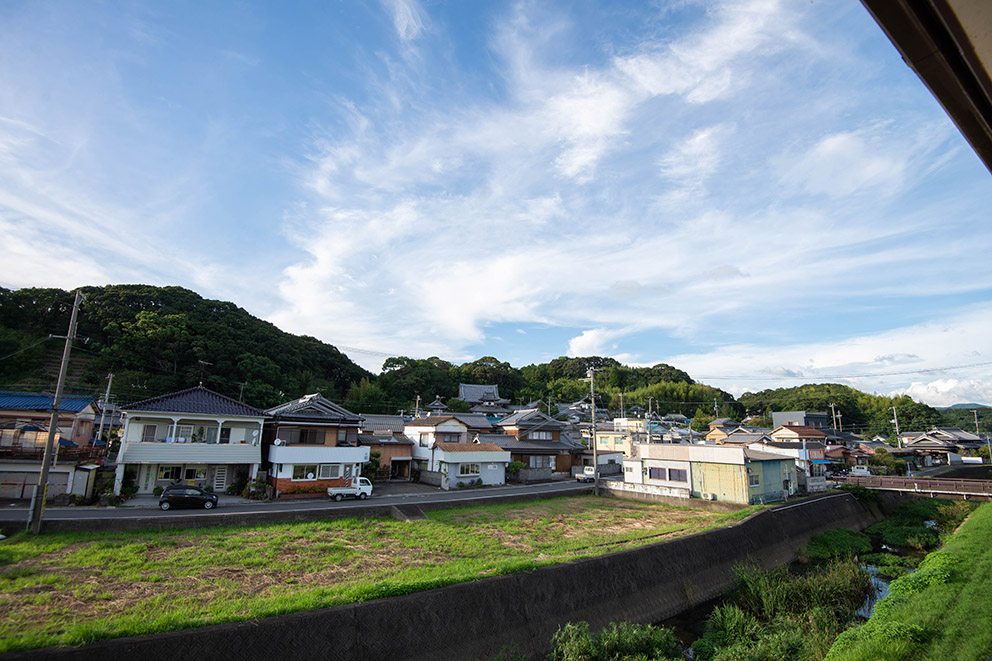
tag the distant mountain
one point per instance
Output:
(160, 339)
(963, 406)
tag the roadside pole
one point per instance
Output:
(595, 452)
(41, 490)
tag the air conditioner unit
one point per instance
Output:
(708, 496)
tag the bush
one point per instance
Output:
(255, 490)
(838, 544)
(574, 642)
(514, 467)
(158, 491)
(863, 494)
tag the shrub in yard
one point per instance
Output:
(514, 467)
(158, 491)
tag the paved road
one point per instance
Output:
(240, 508)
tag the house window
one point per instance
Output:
(185, 432)
(148, 433)
(657, 473)
(330, 471)
(305, 472)
(195, 474)
(306, 436)
(540, 462)
(225, 435)
(753, 480)
(468, 469)
(449, 437)
(170, 472)
(540, 436)
(342, 435)
(425, 438)
(677, 475)
(619, 440)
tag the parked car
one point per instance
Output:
(360, 488)
(178, 496)
(588, 474)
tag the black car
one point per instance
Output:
(187, 497)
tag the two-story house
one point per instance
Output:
(312, 444)
(196, 437)
(538, 441)
(445, 455)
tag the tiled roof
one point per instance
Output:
(39, 401)
(796, 445)
(530, 418)
(803, 430)
(475, 393)
(373, 439)
(473, 420)
(313, 408)
(382, 423)
(469, 447)
(508, 442)
(195, 400)
(432, 421)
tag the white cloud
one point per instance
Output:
(846, 163)
(947, 392)
(408, 17)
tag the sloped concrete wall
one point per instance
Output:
(477, 620)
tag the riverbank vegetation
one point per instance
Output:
(75, 588)
(940, 611)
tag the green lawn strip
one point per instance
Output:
(74, 588)
(941, 611)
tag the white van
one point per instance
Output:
(860, 471)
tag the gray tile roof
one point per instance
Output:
(530, 419)
(474, 420)
(511, 444)
(195, 400)
(382, 423)
(313, 408)
(475, 393)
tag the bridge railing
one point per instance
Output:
(924, 484)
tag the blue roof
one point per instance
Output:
(39, 401)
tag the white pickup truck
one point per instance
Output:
(360, 488)
(588, 474)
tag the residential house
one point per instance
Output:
(538, 441)
(713, 472)
(810, 458)
(942, 445)
(741, 436)
(312, 444)
(395, 454)
(445, 456)
(612, 440)
(815, 419)
(24, 421)
(196, 437)
(720, 428)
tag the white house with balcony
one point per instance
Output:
(194, 437)
(445, 455)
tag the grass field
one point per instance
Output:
(74, 588)
(941, 611)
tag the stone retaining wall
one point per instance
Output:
(477, 620)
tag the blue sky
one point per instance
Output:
(760, 193)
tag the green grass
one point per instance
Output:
(942, 611)
(76, 588)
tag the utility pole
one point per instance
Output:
(977, 433)
(647, 421)
(716, 409)
(40, 491)
(103, 409)
(595, 452)
(623, 413)
(416, 408)
(895, 421)
(833, 415)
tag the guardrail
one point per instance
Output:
(931, 485)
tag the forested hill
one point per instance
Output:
(160, 339)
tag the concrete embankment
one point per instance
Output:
(477, 620)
